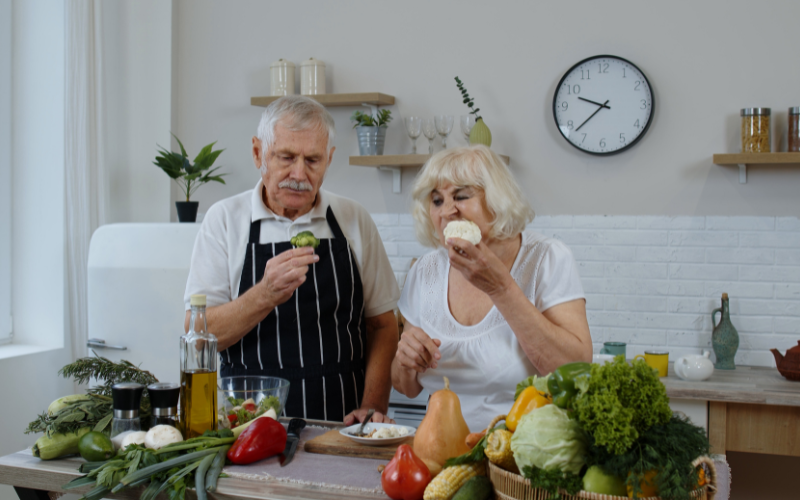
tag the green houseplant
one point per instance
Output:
(371, 131)
(189, 176)
(480, 133)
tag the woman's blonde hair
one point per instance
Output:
(472, 166)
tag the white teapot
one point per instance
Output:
(694, 367)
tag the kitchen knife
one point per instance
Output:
(292, 438)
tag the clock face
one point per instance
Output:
(603, 105)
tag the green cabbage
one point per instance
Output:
(548, 439)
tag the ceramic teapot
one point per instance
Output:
(694, 367)
(788, 365)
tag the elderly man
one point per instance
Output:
(322, 318)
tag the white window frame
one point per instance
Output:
(6, 328)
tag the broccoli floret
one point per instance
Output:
(305, 239)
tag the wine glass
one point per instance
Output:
(414, 128)
(467, 122)
(444, 125)
(429, 131)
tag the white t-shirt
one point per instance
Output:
(219, 250)
(485, 362)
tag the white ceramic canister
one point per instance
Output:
(312, 77)
(281, 74)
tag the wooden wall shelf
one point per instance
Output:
(359, 99)
(745, 159)
(395, 163)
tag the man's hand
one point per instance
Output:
(285, 273)
(358, 416)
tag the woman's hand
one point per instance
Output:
(416, 350)
(479, 265)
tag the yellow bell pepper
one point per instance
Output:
(528, 400)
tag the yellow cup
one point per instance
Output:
(657, 360)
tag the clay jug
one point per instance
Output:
(724, 338)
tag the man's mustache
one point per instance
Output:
(297, 186)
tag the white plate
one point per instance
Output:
(349, 431)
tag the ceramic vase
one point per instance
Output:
(480, 134)
(724, 338)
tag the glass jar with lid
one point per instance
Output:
(793, 142)
(756, 136)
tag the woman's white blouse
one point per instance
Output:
(484, 362)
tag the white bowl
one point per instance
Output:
(350, 431)
(602, 358)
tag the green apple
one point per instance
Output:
(597, 480)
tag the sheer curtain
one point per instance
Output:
(86, 190)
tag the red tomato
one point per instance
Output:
(251, 407)
(406, 476)
(232, 419)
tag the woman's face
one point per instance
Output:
(449, 203)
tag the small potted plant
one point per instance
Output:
(480, 133)
(189, 176)
(371, 131)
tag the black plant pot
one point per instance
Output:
(187, 210)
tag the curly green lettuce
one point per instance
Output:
(619, 401)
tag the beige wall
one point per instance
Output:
(705, 60)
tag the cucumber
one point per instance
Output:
(477, 488)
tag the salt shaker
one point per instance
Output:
(312, 77)
(281, 74)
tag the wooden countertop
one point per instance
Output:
(745, 384)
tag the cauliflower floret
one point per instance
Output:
(464, 229)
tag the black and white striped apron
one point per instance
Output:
(316, 339)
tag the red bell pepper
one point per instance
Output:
(264, 438)
(406, 476)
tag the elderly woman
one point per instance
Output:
(488, 315)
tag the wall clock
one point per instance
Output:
(603, 105)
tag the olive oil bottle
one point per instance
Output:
(198, 374)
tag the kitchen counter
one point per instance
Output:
(750, 409)
(745, 384)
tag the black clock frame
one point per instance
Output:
(627, 146)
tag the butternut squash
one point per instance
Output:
(443, 431)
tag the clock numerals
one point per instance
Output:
(597, 113)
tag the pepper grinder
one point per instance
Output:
(164, 397)
(127, 398)
(724, 337)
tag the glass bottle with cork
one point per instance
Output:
(198, 374)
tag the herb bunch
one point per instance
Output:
(469, 101)
(103, 369)
(553, 481)
(96, 410)
(668, 448)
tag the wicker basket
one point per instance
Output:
(510, 486)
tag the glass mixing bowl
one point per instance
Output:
(249, 387)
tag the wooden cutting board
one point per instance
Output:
(333, 443)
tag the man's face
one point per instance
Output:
(295, 167)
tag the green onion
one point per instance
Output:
(161, 467)
(200, 476)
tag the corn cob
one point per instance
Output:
(448, 482)
(498, 450)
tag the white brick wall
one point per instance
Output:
(653, 281)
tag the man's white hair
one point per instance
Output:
(295, 112)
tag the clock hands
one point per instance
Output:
(596, 103)
(590, 116)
